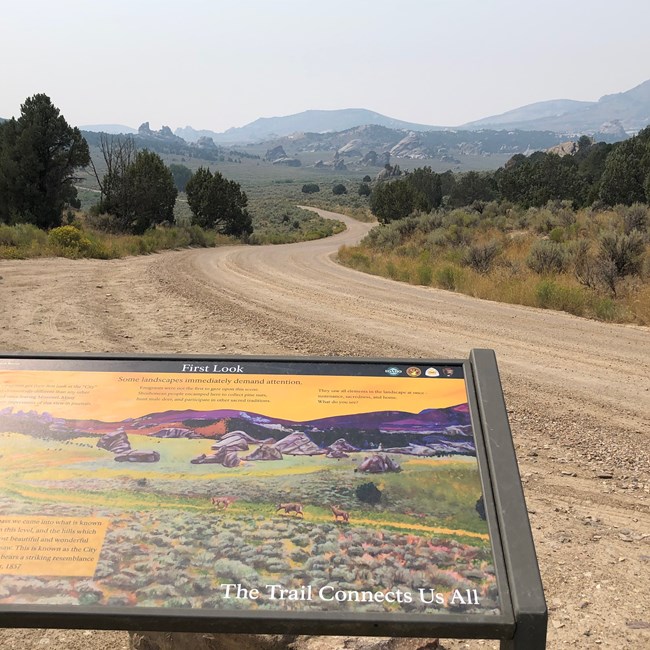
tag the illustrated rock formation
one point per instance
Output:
(118, 443)
(224, 456)
(237, 440)
(176, 432)
(298, 444)
(378, 464)
(265, 452)
(138, 456)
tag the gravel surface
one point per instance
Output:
(578, 391)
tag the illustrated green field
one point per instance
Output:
(424, 533)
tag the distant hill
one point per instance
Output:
(537, 111)
(267, 128)
(113, 129)
(615, 114)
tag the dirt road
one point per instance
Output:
(578, 391)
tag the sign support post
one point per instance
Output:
(519, 552)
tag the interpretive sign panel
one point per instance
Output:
(216, 491)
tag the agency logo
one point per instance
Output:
(431, 372)
(393, 372)
(413, 371)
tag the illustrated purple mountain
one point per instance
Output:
(439, 431)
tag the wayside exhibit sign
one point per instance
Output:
(356, 496)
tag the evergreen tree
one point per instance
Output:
(181, 175)
(39, 153)
(391, 201)
(426, 188)
(626, 170)
(218, 203)
(150, 186)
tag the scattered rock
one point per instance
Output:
(138, 456)
(638, 625)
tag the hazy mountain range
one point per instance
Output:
(631, 109)
(618, 114)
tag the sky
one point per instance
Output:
(215, 64)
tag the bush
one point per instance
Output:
(552, 295)
(448, 277)
(368, 493)
(424, 275)
(481, 257)
(339, 189)
(547, 257)
(310, 188)
(69, 241)
(625, 252)
(636, 217)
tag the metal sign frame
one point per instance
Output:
(521, 623)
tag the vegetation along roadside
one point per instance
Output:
(135, 203)
(570, 233)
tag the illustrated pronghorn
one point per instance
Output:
(222, 503)
(345, 516)
(291, 507)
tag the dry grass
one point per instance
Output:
(432, 250)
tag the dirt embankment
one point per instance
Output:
(578, 391)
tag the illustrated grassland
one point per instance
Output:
(169, 545)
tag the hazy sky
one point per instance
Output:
(214, 64)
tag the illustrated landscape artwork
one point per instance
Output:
(256, 485)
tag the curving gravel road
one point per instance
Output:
(578, 391)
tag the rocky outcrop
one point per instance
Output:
(206, 142)
(276, 153)
(224, 456)
(165, 133)
(298, 444)
(342, 445)
(564, 149)
(370, 159)
(336, 453)
(407, 146)
(118, 443)
(378, 464)
(337, 163)
(236, 440)
(388, 171)
(265, 452)
(175, 432)
(413, 450)
(352, 148)
(278, 156)
(289, 162)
